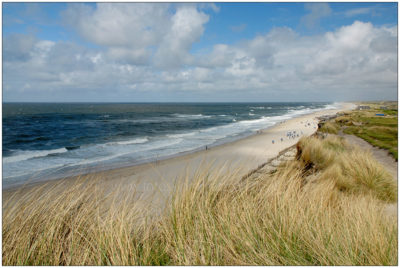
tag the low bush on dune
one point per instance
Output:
(326, 208)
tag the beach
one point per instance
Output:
(241, 156)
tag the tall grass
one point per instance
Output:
(297, 216)
(81, 225)
(353, 170)
(278, 221)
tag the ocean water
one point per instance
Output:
(46, 141)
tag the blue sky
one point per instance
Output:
(199, 51)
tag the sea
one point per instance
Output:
(43, 141)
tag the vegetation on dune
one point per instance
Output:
(380, 131)
(381, 136)
(325, 208)
(329, 128)
(350, 169)
(83, 225)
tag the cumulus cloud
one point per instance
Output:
(119, 24)
(133, 32)
(357, 61)
(187, 27)
(128, 29)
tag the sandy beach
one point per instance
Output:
(241, 157)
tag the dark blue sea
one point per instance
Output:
(52, 140)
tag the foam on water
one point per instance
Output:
(134, 141)
(192, 116)
(181, 135)
(25, 155)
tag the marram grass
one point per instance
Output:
(300, 215)
(351, 169)
(329, 127)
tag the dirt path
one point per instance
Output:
(381, 155)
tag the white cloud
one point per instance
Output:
(133, 32)
(127, 29)
(221, 56)
(136, 25)
(187, 27)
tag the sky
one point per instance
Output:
(199, 52)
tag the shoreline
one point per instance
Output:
(60, 171)
(245, 153)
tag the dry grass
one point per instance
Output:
(329, 127)
(278, 221)
(353, 171)
(83, 225)
(298, 216)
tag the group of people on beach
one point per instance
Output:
(290, 135)
(293, 134)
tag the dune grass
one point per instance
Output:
(351, 169)
(325, 208)
(329, 127)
